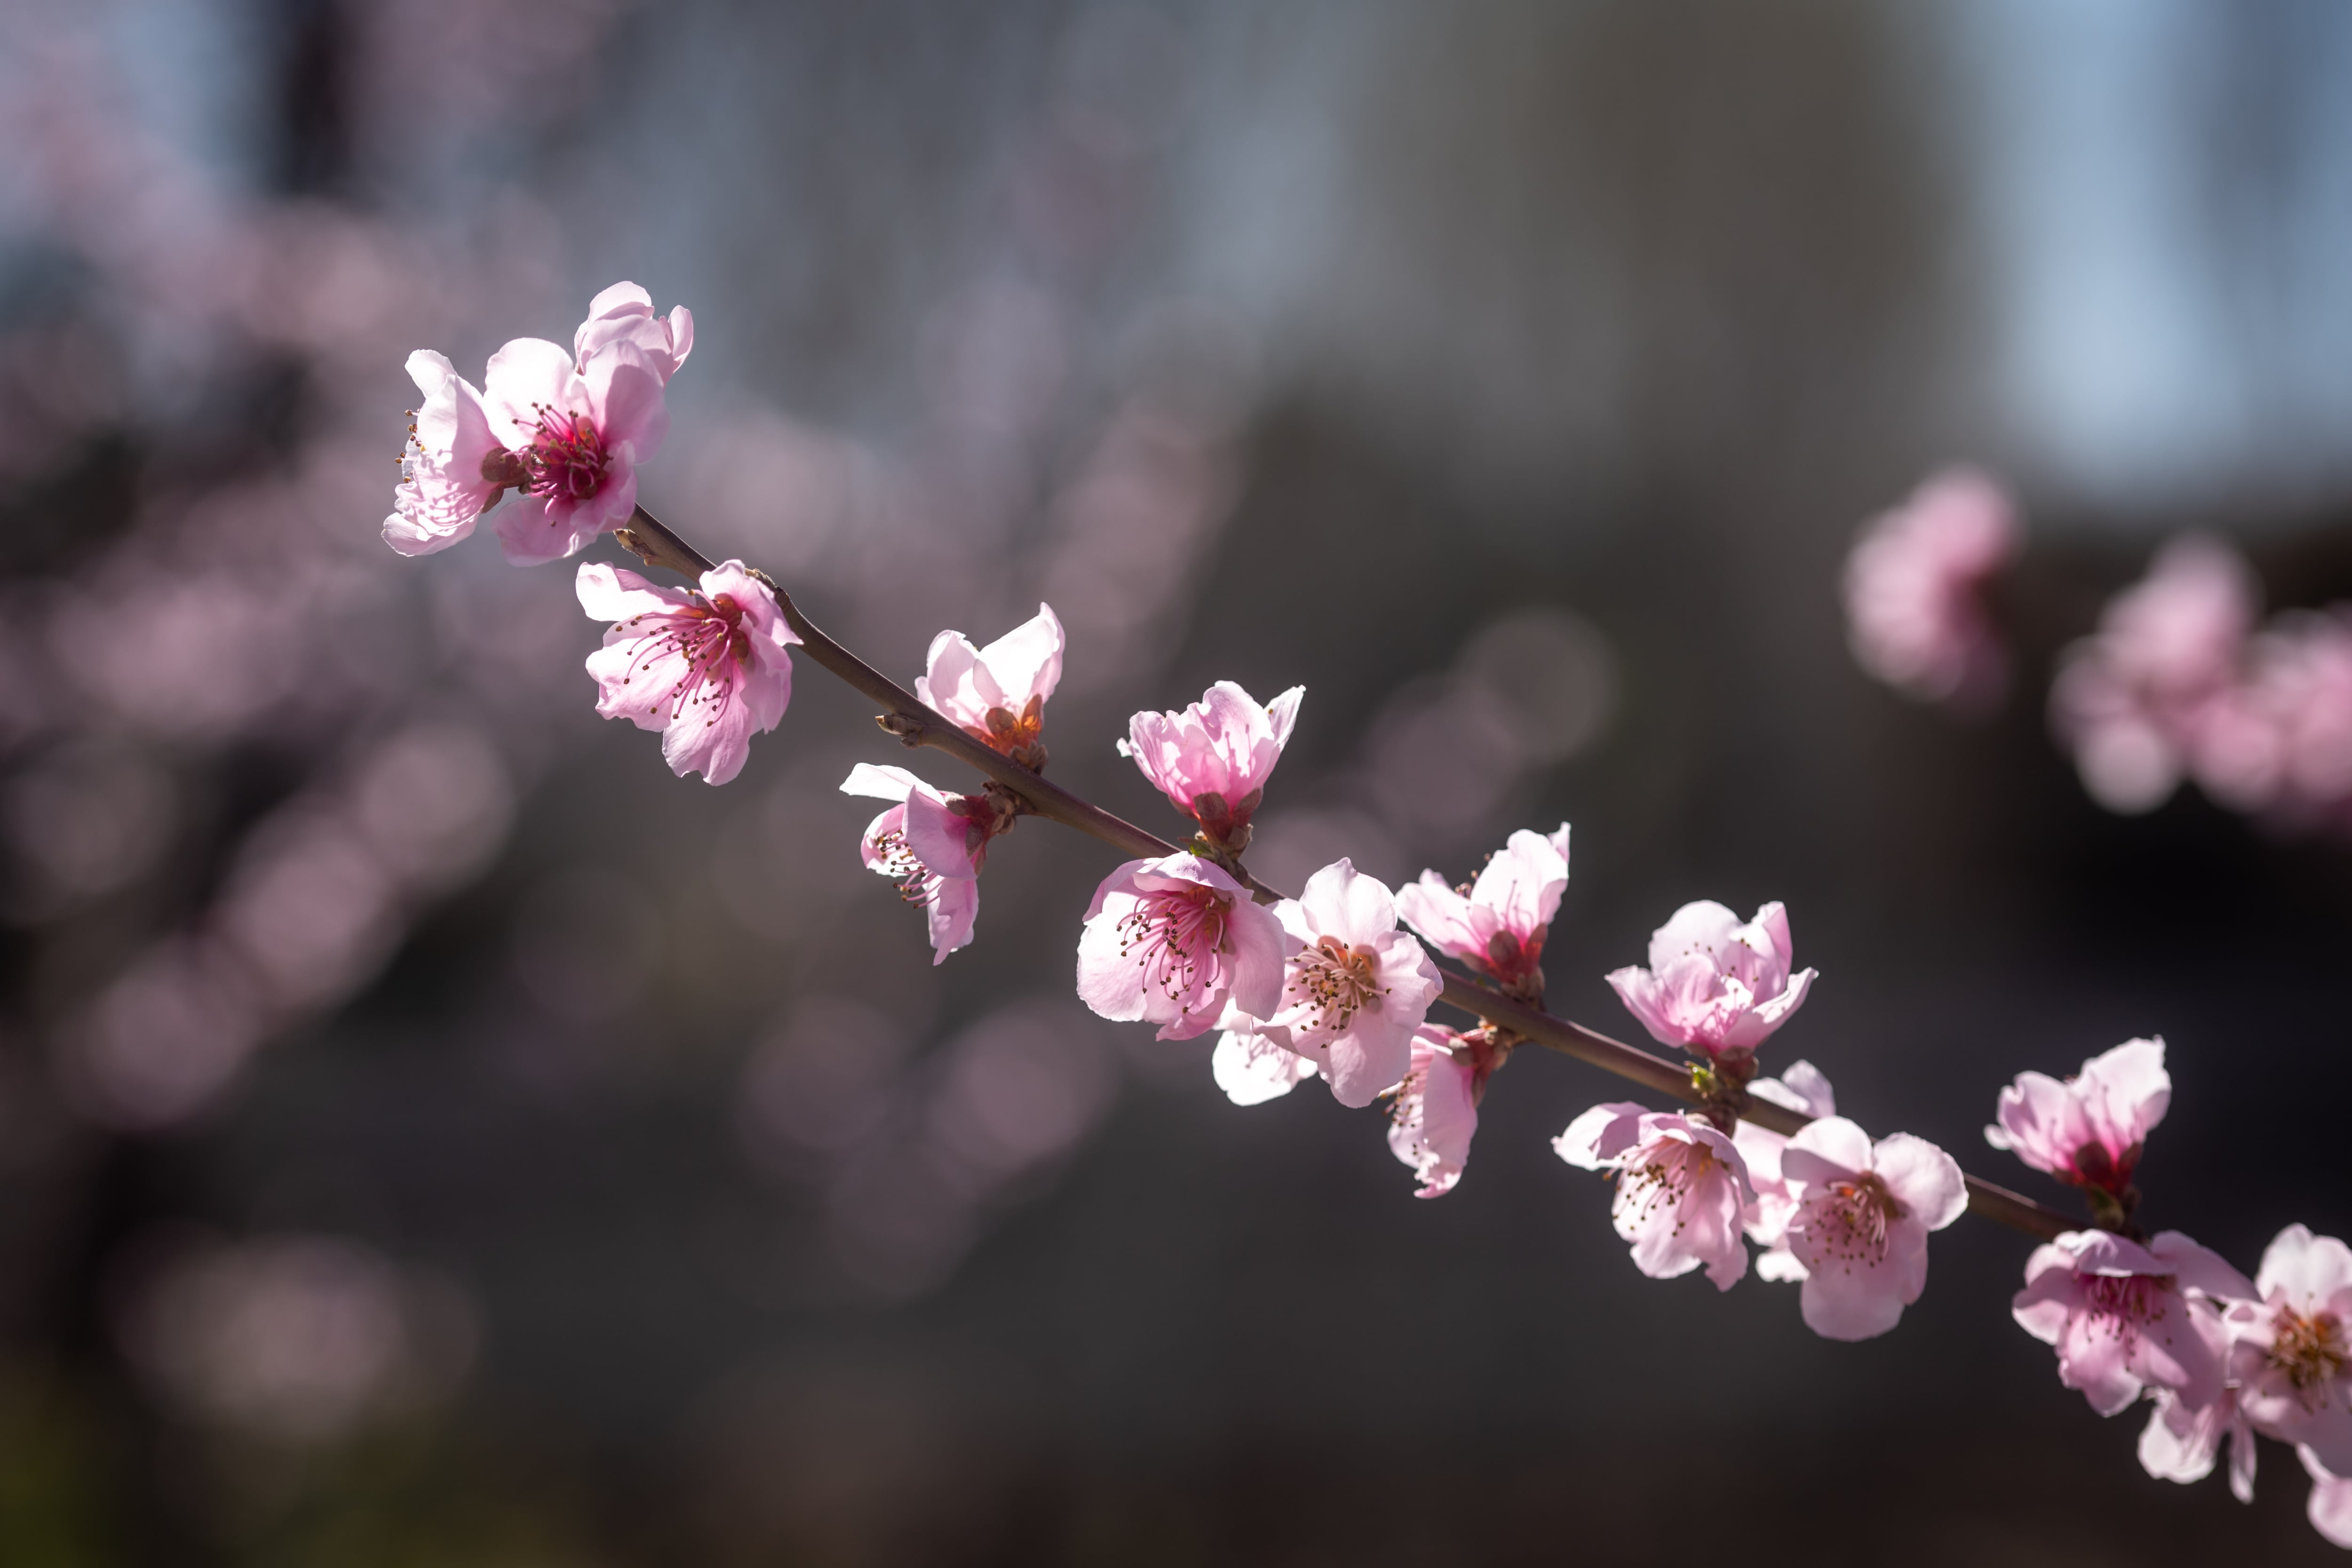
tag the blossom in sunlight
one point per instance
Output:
(1804, 1089)
(2132, 700)
(1211, 760)
(1253, 1069)
(1354, 987)
(2127, 1317)
(2087, 1131)
(625, 314)
(572, 437)
(1435, 1112)
(444, 485)
(933, 845)
(1174, 942)
(1714, 985)
(2280, 741)
(997, 694)
(2289, 1347)
(1914, 589)
(1857, 1222)
(2182, 1440)
(708, 668)
(1496, 924)
(1682, 1187)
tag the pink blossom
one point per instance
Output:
(1803, 1088)
(1435, 1112)
(1253, 1067)
(625, 314)
(1497, 925)
(2330, 1507)
(2087, 1132)
(572, 437)
(1914, 589)
(2288, 1348)
(2127, 1317)
(1354, 987)
(1174, 941)
(707, 668)
(1858, 1221)
(930, 844)
(1714, 985)
(997, 694)
(2132, 700)
(2182, 1440)
(443, 489)
(1682, 1187)
(2281, 739)
(1212, 760)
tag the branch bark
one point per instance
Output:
(917, 725)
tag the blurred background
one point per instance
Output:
(432, 1134)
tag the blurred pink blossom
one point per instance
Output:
(997, 694)
(1714, 985)
(707, 668)
(933, 851)
(624, 313)
(2134, 700)
(1175, 942)
(2088, 1131)
(1355, 988)
(1858, 1221)
(2128, 1318)
(2330, 1507)
(1914, 586)
(1497, 927)
(1212, 760)
(1682, 1188)
(1435, 1112)
(2280, 741)
(2289, 1347)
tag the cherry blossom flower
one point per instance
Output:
(1682, 1187)
(572, 437)
(2182, 1440)
(2280, 741)
(1914, 589)
(1211, 760)
(1253, 1067)
(1354, 987)
(2088, 1131)
(933, 845)
(2127, 1317)
(997, 694)
(1714, 985)
(2330, 1507)
(707, 668)
(1805, 1089)
(1435, 1112)
(1172, 942)
(442, 488)
(2131, 700)
(625, 314)
(2289, 1347)
(1858, 1223)
(1496, 925)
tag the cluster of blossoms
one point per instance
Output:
(2177, 682)
(2217, 1356)
(1914, 584)
(1331, 985)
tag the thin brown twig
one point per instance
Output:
(917, 725)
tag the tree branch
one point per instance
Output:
(915, 724)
